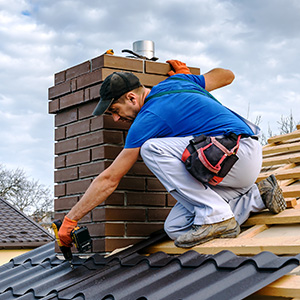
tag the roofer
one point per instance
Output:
(172, 126)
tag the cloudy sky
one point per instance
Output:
(257, 39)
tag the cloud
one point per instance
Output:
(256, 39)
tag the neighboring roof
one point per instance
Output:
(39, 274)
(19, 231)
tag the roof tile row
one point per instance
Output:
(39, 274)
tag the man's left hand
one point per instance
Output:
(179, 67)
(64, 233)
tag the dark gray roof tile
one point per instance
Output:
(39, 274)
(18, 231)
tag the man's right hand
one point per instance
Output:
(65, 230)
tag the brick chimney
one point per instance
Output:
(85, 145)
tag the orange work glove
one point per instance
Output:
(179, 67)
(64, 232)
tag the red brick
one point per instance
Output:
(53, 106)
(157, 68)
(149, 80)
(65, 146)
(71, 99)
(119, 214)
(107, 152)
(65, 203)
(146, 199)
(171, 201)
(60, 133)
(96, 230)
(114, 229)
(100, 137)
(66, 174)
(92, 93)
(78, 70)
(132, 183)
(106, 229)
(60, 161)
(89, 79)
(142, 229)
(59, 190)
(116, 198)
(107, 122)
(66, 117)
(59, 215)
(78, 128)
(164, 68)
(73, 85)
(59, 77)
(117, 62)
(98, 245)
(154, 184)
(86, 110)
(59, 90)
(78, 157)
(86, 219)
(92, 169)
(158, 214)
(78, 187)
(139, 168)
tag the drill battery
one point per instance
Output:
(81, 238)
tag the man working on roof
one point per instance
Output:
(164, 120)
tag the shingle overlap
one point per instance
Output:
(39, 274)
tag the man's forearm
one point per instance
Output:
(104, 184)
(98, 191)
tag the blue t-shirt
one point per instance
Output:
(182, 114)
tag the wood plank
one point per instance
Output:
(253, 231)
(286, 286)
(281, 159)
(286, 148)
(287, 172)
(284, 137)
(237, 246)
(288, 216)
(279, 240)
(291, 202)
(291, 191)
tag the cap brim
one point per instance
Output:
(102, 107)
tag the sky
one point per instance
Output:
(257, 39)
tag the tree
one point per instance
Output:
(287, 124)
(29, 196)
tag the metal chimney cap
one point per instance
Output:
(145, 48)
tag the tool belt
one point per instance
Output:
(209, 159)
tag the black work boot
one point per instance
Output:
(200, 234)
(271, 194)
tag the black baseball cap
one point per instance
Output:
(113, 87)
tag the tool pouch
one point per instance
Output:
(209, 159)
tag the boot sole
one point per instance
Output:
(233, 233)
(278, 204)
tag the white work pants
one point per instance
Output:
(199, 203)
